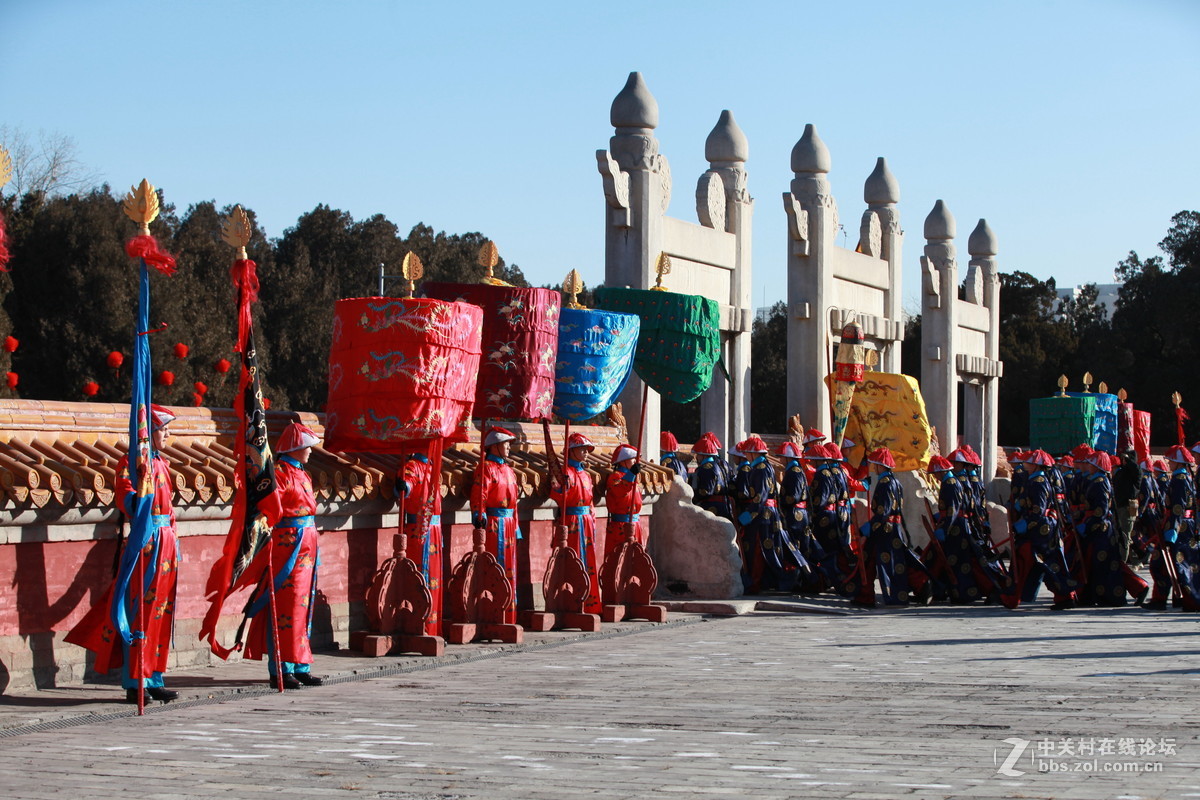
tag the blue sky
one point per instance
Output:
(1071, 126)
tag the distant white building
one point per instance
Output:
(1108, 295)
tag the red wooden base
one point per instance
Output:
(467, 632)
(560, 620)
(377, 644)
(646, 611)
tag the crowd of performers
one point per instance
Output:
(1078, 525)
(280, 621)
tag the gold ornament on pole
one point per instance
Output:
(1176, 398)
(1087, 382)
(489, 257)
(573, 285)
(5, 167)
(141, 205)
(1062, 385)
(1103, 387)
(413, 270)
(236, 231)
(1121, 395)
(663, 267)
(872, 360)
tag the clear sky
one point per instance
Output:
(1071, 126)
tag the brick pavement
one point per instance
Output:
(893, 703)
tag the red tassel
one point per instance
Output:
(166, 377)
(12, 380)
(115, 360)
(200, 387)
(11, 344)
(4, 256)
(222, 366)
(145, 248)
(91, 388)
(1181, 417)
(244, 273)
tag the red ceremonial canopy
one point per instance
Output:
(401, 371)
(520, 347)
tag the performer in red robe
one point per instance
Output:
(574, 497)
(294, 559)
(423, 526)
(494, 506)
(151, 612)
(623, 497)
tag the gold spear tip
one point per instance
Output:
(236, 231)
(1122, 395)
(1087, 381)
(489, 257)
(1062, 385)
(1103, 387)
(573, 285)
(663, 267)
(1176, 398)
(411, 268)
(5, 167)
(141, 204)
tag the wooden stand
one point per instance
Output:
(565, 586)
(397, 604)
(627, 583)
(478, 593)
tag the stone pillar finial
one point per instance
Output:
(939, 225)
(982, 241)
(726, 144)
(634, 106)
(881, 188)
(810, 154)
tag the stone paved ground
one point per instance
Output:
(911, 703)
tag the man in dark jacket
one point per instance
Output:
(1125, 482)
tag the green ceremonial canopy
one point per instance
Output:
(680, 340)
(1057, 424)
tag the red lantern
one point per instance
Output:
(91, 388)
(222, 366)
(166, 378)
(200, 387)
(197, 399)
(181, 350)
(12, 380)
(11, 344)
(115, 360)
(266, 401)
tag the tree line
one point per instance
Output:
(69, 300)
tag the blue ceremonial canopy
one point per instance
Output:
(595, 358)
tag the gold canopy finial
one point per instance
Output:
(1122, 395)
(1062, 385)
(413, 270)
(236, 231)
(872, 359)
(1103, 387)
(573, 285)
(1087, 382)
(663, 267)
(489, 257)
(5, 167)
(1176, 398)
(141, 205)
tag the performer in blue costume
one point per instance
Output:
(889, 553)
(769, 558)
(954, 535)
(830, 514)
(711, 479)
(1036, 532)
(793, 506)
(1179, 540)
(1108, 577)
(669, 446)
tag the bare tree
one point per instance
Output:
(50, 165)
